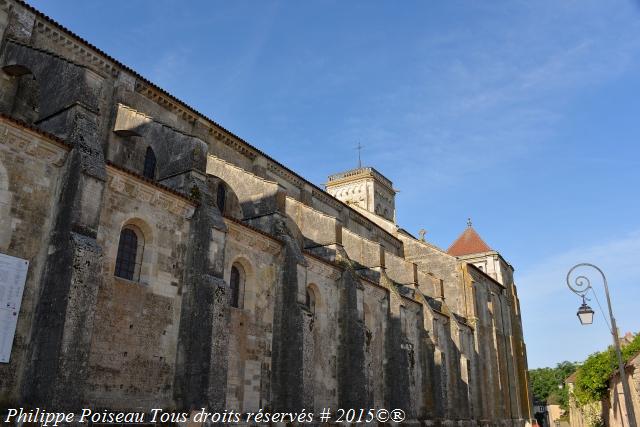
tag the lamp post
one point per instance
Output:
(581, 286)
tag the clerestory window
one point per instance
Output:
(236, 283)
(149, 170)
(221, 197)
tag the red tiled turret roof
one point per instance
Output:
(469, 242)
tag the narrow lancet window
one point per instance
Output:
(149, 164)
(126, 261)
(311, 300)
(221, 197)
(235, 284)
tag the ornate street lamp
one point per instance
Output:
(581, 286)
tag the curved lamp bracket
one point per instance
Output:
(581, 284)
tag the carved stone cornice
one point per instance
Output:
(237, 145)
(328, 199)
(24, 141)
(165, 101)
(285, 174)
(77, 50)
(322, 269)
(390, 239)
(360, 220)
(128, 185)
(252, 239)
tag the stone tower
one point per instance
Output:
(470, 247)
(366, 188)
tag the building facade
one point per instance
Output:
(174, 265)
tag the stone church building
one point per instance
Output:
(174, 265)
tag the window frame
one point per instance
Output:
(311, 299)
(236, 299)
(133, 262)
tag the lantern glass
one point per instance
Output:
(585, 314)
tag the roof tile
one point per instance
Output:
(469, 242)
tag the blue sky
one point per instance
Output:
(522, 115)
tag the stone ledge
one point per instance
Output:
(126, 183)
(16, 136)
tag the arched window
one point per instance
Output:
(221, 196)
(129, 256)
(149, 170)
(236, 282)
(311, 300)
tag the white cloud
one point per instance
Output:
(617, 257)
(486, 101)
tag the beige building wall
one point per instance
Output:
(615, 410)
(32, 167)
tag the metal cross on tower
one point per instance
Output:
(359, 148)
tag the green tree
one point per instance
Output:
(547, 384)
(543, 383)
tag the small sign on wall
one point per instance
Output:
(13, 274)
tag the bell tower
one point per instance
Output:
(366, 188)
(470, 247)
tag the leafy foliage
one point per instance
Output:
(546, 382)
(633, 348)
(592, 378)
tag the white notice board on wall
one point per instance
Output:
(13, 274)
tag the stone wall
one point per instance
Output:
(375, 309)
(615, 406)
(612, 410)
(433, 260)
(31, 168)
(251, 324)
(320, 333)
(133, 347)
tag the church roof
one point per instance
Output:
(469, 242)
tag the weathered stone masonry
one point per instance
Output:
(245, 285)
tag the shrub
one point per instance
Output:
(592, 378)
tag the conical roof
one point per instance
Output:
(468, 243)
